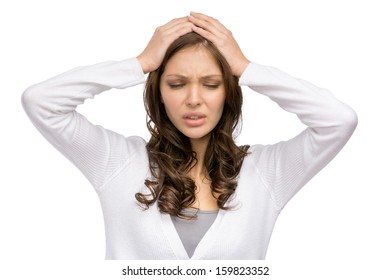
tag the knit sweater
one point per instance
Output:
(117, 165)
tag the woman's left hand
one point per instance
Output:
(212, 30)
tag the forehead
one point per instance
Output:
(194, 60)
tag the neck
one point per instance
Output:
(199, 146)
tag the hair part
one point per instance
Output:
(170, 153)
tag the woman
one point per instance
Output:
(190, 192)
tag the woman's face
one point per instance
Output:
(193, 92)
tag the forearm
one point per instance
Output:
(315, 107)
(51, 102)
(288, 165)
(51, 106)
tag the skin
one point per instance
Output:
(192, 82)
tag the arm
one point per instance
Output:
(286, 166)
(51, 106)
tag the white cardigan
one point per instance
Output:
(117, 166)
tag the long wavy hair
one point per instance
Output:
(169, 151)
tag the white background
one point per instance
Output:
(337, 227)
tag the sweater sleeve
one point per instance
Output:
(51, 106)
(287, 166)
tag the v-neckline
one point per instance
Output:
(178, 246)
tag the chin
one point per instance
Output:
(197, 136)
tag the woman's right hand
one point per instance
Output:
(151, 58)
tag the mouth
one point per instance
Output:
(194, 115)
(194, 119)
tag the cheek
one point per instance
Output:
(171, 105)
(219, 102)
(164, 96)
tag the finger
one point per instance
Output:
(205, 22)
(179, 30)
(173, 22)
(167, 33)
(204, 33)
(216, 37)
(206, 26)
(180, 26)
(166, 37)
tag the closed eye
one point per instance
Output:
(212, 86)
(176, 86)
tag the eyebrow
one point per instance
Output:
(203, 77)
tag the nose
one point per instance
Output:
(194, 96)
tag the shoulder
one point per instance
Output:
(262, 157)
(135, 152)
(136, 141)
(255, 151)
(136, 144)
(254, 155)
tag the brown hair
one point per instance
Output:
(170, 153)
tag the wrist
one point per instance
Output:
(144, 64)
(240, 67)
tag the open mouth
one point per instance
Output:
(194, 119)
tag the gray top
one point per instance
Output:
(192, 231)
